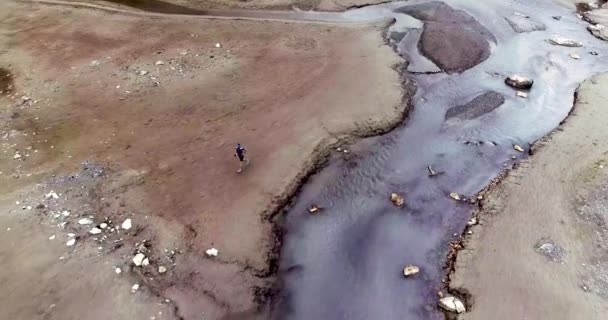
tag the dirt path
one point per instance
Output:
(155, 107)
(540, 249)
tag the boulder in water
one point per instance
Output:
(519, 82)
(452, 304)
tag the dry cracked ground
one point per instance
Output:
(108, 117)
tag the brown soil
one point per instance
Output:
(159, 142)
(539, 251)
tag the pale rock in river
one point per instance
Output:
(452, 304)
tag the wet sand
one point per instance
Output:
(558, 196)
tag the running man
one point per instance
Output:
(240, 153)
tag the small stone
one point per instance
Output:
(397, 200)
(126, 224)
(518, 148)
(71, 242)
(218, 45)
(103, 225)
(65, 213)
(17, 156)
(138, 260)
(52, 237)
(118, 270)
(565, 42)
(472, 222)
(162, 269)
(212, 252)
(522, 94)
(28, 208)
(575, 56)
(183, 53)
(452, 304)
(440, 294)
(455, 196)
(134, 288)
(410, 270)
(85, 221)
(71, 235)
(339, 149)
(519, 82)
(94, 63)
(159, 63)
(314, 209)
(432, 172)
(95, 231)
(143, 72)
(145, 263)
(52, 194)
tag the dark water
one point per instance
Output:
(346, 263)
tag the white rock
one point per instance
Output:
(126, 224)
(134, 288)
(519, 82)
(139, 259)
(118, 270)
(28, 208)
(95, 63)
(52, 194)
(52, 237)
(452, 304)
(455, 196)
(561, 41)
(95, 231)
(575, 56)
(146, 262)
(71, 235)
(410, 270)
(143, 72)
(212, 252)
(472, 222)
(85, 221)
(162, 269)
(522, 94)
(159, 63)
(103, 225)
(65, 213)
(71, 242)
(218, 45)
(17, 156)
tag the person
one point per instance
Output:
(240, 153)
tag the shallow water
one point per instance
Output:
(346, 263)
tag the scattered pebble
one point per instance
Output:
(52, 194)
(52, 237)
(85, 221)
(162, 269)
(472, 222)
(218, 45)
(145, 263)
(118, 270)
(159, 63)
(518, 148)
(138, 260)
(455, 196)
(71, 242)
(522, 94)
(103, 225)
(126, 224)
(143, 72)
(71, 235)
(410, 270)
(314, 209)
(575, 56)
(65, 213)
(452, 304)
(212, 252)
(134, 288)
(397, 199)
(95, 231)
